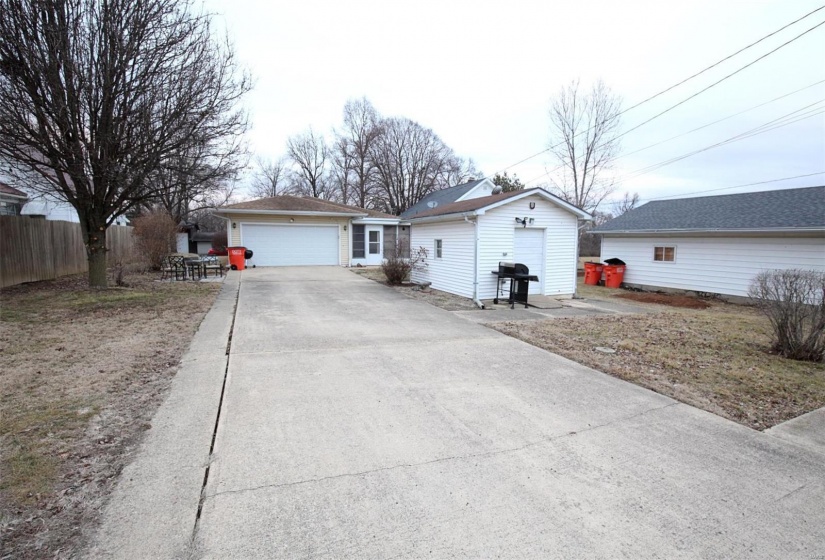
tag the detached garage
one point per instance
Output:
(466, 240)
(717, 244)
(297, 231)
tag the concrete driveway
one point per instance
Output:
(357, 423)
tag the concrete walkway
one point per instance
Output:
(358, 423)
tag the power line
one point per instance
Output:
(685, 80)
(729, 188)
(721, 61)
(789, 118)
(656, 116)
(717, 121)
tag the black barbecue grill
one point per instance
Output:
(520, 278)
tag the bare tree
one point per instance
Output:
(458, 171)
(584, 129)
(626, 204)
(309, 152)
(195, 178)
(342, 173)
(410, 162)
(97, 95)
(354, 168)
(269, 178)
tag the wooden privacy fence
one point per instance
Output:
(33, 249)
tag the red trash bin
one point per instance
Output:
(593, 273)
(613, 275)
(237, 258)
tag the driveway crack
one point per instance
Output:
(443, 459)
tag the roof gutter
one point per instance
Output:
(706, 230)
(222, 211)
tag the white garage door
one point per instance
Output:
(529, 250)
(292, 245)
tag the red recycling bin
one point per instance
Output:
(237, 257)
(593, 273)
(613, 275)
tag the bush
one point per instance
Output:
(219, 240)
(794, 302)
(397, 266)
(155, 233)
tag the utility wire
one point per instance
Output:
(789, 118)
(656, 116)
(685, 80)
(714, 65)
(717, 121)
(725, 188)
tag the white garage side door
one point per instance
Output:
(292, 245)
(529, 250)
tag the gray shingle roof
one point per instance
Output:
(766, 210)
(442, 197)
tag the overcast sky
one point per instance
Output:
(481, 75)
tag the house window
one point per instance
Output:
(375, 242)
(358, 242)
(664, 254)
(438, 248)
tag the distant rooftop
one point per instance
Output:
(6, 189)
(439, 198)
(765, 210)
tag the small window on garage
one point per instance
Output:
(438, 246)
(358, 242)
(664, 254)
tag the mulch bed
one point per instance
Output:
(673, 300)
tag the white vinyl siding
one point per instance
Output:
(341, 222)
(453, 272)
(498, 244)
(720, 265)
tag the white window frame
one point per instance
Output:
(438, 248)
(664, 250)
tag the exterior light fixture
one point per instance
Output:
(234, 225)
(345, 227)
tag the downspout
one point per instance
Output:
(576, 267)
(349, 242)
(475, 262)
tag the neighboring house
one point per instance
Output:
(465, 239)
(291, 230)
(11, 200)
(58, 210)
(717, 244)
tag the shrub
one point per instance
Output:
(397, 266)
(155, 234)
(794, 302)
(219, 240)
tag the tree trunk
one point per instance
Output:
(96, 251)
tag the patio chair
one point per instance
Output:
(177, 266)
(211, 262)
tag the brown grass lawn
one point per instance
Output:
(715, 358)
(81, 374)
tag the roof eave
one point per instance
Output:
(223, 211)
(444, 217)
(708, 230)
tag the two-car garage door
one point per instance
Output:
(291, 245)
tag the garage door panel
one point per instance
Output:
(291, 245)
(529, 250)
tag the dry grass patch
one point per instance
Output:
(444, 300)
(716, 359)
(82, 374)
